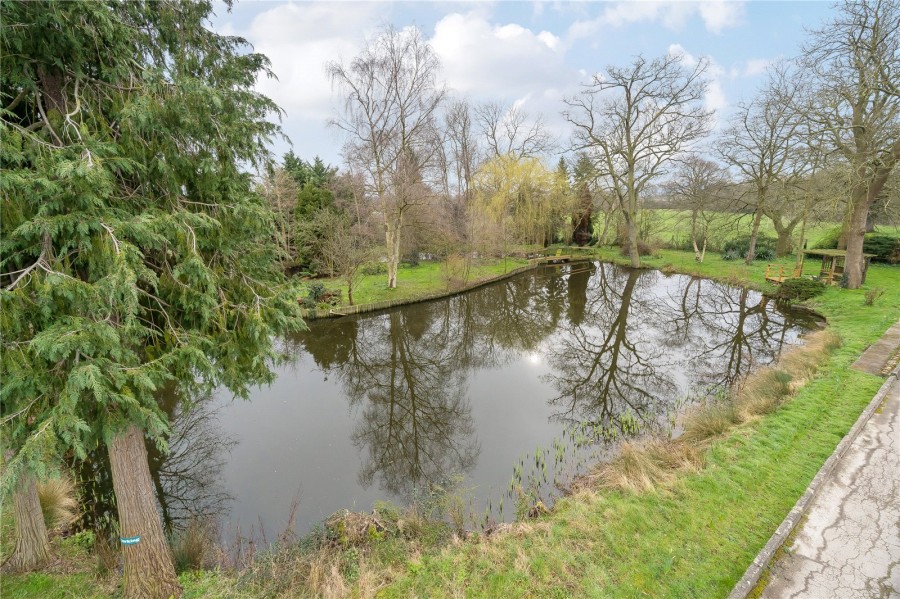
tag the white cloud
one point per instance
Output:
(300, 39)
(717, 15)
(498, 61)
(721, 14)
(678, 50)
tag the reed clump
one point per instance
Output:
(193, 548)
(647, 465)
(59, 502)
(654, 464)
(349, 551)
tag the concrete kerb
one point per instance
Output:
(751, 577)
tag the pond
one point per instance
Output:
(518, 384)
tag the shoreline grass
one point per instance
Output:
(693, 537)
(696, 537)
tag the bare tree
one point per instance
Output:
(391, 97)
(462, 147)
(697, 187)
(856, 61)
(280, 191)
(510, 131)
(348, 248)
(765, 144)
(633, 121)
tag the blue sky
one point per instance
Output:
(530, 53)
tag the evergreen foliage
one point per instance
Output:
(737, 248)
(800, 289)
(134, 251)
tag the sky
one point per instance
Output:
(531, 54)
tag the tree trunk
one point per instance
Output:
(854, 233)
(783, 245)
(698, 253)
(607, 217)
(801, 244)
(32, 545)
(149, 571)
(392, 240)
(632, 241)
(754, 233)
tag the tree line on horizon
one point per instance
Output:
(427, 170)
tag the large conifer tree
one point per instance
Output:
(134, 252)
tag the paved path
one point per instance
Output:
(874, 359)
(849, 544)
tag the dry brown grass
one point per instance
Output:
(194, 547)
(764, 390)
(708, 420)
(352, 554)
(648, 465)
(59, 502)
(761, 393)
(654, 464)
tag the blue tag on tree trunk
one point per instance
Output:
(130, 540)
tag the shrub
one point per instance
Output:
(738, 248)
(644, 249)
(873, 294)
(800, 289)
(885, 248)
(317, 294)
(376, 268)
(455, 270)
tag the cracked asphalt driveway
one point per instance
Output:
(849, 545)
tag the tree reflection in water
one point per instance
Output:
(644, 341)
(187, 478)
(623, 348)
(407, 371)
(607, 370)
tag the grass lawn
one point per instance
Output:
(693, 540)
(696, 539)
(426, 278)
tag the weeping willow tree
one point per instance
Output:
(134, 253)
(520, 199)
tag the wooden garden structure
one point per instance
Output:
(830, 272)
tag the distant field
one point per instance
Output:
(668, 227)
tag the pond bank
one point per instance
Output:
(693, 539)
(668, 261)
(696, 538)
(339, 311)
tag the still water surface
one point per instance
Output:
(517, 383)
